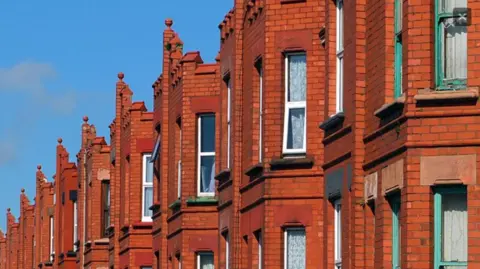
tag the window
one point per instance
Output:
(396, 245)
(206, 155)
(105, 206)
(156, 149)
(205, 260)
(338, 234)
(179, 164)
(339, 47)
(294, 134)
(227, 250)
(145, 267)
(451, 227)
(75, 225)
(52, 234)
(451, 44)
(260, 122)
(398, 47)
(229, 120)
(179, 261)
(295, 248)
(260, 247)
(147, 188)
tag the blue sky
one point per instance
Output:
(59, 61)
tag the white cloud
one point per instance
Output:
(30, 78)
(27, 83)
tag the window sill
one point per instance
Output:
(103, 241)
(254, 171)
(291, 163)
(223, 176)
(443, 95)
(389, 109)
(175, 205)
(155, 209)
(333, 121)
(199, 201)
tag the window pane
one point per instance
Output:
(454, 232)
(207, 173)
(206, 261)
(398, 15)
(296, 128)
(208, 133)
(297, 77)
(449, 5)
(148, 169)
(296, 244)
(455, 50)
(148, 201)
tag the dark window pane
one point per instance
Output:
(207, 130)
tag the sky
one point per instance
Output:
(59, 61)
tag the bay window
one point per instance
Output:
(451, 227)
(75, 225)
(451, 43)
(295, 130)
(147, 188)
(206, 155)
(205, 260)
(295, 248)
(396, 237)
(338, 234)
(339, 48)
(398, 48)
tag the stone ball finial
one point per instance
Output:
(85, 119)
(60, 140)
(121, 76)
(22, 190)
(8, 209)
(169, 22)
(39, 167)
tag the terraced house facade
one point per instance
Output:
(326, 134)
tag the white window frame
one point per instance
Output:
(260, 123)
(339, 55)
(199, 254)
(293, 105)
(75, 225)
(52, 236)
(285, 244)
(338, 233)
(145, 185)
(179, 169)
(156, 148)
(201, 154)
(229, 120)
(227, 250)
(260, 247)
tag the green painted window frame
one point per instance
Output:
(438, 227)
(395, 202)
(398, 29)
(439, 74)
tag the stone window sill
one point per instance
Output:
(444, 95)
(223, 176)
(388, 109)
(291, 163)
(199, 201)
(333, 121)
(175, 205)
(254, 171)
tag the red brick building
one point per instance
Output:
(95, 171)
(327, 134)
(131, 180)
(44, 221)
(186, 112)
